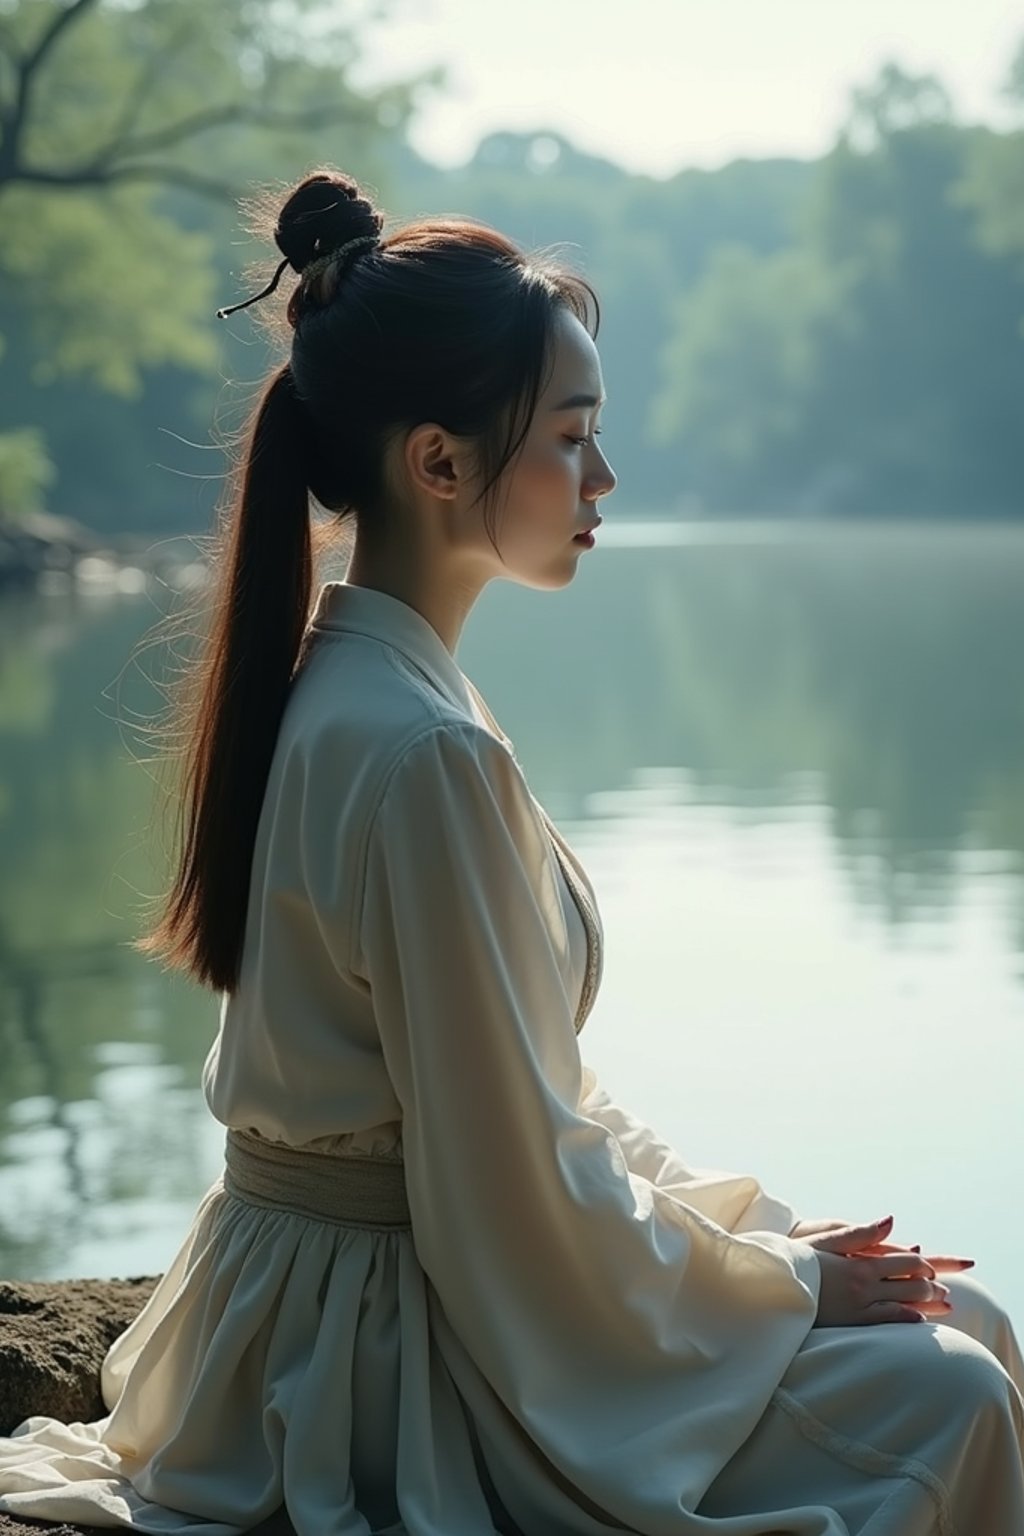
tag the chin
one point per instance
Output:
(553, 579)
(556, 573)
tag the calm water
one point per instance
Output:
(793, 761)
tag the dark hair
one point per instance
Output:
(445, 320)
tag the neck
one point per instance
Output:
(442, 595)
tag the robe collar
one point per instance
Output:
(368, 611)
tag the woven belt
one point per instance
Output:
(359, 1191)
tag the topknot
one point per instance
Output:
(324, 212)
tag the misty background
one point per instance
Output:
(778, 712)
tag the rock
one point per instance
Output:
(11, 1527)
(53, 1337)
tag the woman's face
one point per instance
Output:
(551, 488)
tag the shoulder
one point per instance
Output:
(353, 717)
(453, 764)
(456, 794)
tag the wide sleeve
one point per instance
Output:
(736, 1201)
(620, 1325)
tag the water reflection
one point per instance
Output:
(875, 669)
(794, 765)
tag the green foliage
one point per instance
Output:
(834, 337)
(641, 241)
(111, 287)
(26, 470)
(993, 187)
(119, 184)
(873, 367)
(741, 364)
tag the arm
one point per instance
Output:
(736, 1201)
(618, 1324)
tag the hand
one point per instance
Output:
(867, 1280)
(940, 1262)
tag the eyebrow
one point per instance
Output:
(577, 400)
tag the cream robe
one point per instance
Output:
(580, 1335)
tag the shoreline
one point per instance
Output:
(47, 554)
(53, 1337)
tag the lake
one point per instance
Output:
(792, 758)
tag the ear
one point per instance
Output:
(436, 460)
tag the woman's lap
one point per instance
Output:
(899, 1427)
(978, 1313)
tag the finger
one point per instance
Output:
(949, 1262)
(891, 1312)
(889, 1248)
(936, 1309)
(898, 1265)
(852, 1239)
(945, 1260)
(915, 1291)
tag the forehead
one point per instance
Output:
(575, 363)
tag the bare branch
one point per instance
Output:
(60, 22)
(13, 121)
(123, 157)
(95, 175)
(150, 72)
(9, 43)
(231, 112)
(178, 176)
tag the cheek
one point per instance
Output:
(548, 467)
(542, 493)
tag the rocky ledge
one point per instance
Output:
(53, 1337)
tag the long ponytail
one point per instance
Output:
(227, 707)
(445, 320)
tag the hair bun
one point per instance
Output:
(321, 213)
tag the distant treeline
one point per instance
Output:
(779, 337)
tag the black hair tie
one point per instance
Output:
(311, 269)
(222, 314)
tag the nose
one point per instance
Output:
(602, 482)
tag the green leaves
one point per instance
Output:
(25, 471)
(111, 285)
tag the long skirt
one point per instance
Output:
(883, 1430)
(950, 1419)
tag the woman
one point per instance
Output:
(446, 1286)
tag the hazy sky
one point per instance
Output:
(661, 84)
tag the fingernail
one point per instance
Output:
(916, 1248)
(968, 1263)
(885, 1221)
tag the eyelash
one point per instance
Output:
(580, 441)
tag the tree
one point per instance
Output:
(874, 367)
(108, 108)
(740, 366)
(992, 186)
(25, 471)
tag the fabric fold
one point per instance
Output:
(596, 1273)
